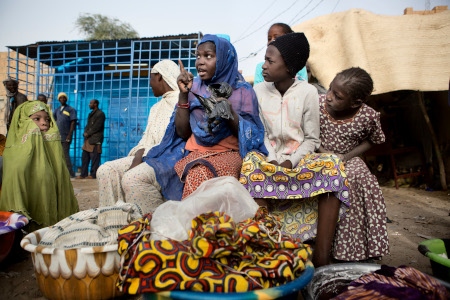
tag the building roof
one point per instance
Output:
(30, 50)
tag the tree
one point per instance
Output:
(99, 27)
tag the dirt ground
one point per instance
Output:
(415, 215)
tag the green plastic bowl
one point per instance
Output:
(433, 249)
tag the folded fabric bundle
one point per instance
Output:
(220, 255)
(90, 228)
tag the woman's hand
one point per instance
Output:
(233, 122)
(184, 80)
(341, 157)
(137, 160)
(285, 164)
(216, 125)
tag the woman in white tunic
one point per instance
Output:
(117, 178)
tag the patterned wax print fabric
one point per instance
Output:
(295, 189)
(390, 283)
(243, 100)
(362, 234)
(198, 167)
(36, 181)
(219, 256)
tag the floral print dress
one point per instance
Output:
(362, 234)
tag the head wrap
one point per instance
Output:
(169, 71)
(294, 49)
(63, 94)
(33, 107)
(226, 61)
(21, 122)
(10, 79)
(47, 199)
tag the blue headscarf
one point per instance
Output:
(243, 100)
(226, 62)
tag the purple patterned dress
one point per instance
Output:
(362, 234)
(293, 193)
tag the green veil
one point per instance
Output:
(36, 182)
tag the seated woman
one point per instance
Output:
(195, 147)
(289, 109)
(37, 181)
(110, 175)
(348, 128)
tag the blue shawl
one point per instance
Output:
(244, 102)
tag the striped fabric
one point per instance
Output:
(90, 228)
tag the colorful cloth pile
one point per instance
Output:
(219, 256)
(10, 221)
(395, 283)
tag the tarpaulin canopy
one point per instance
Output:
(406, 52)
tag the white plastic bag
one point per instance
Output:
(172, 219)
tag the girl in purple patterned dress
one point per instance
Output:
(348, 128)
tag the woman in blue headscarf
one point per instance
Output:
(195, 147)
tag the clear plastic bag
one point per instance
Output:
(172, 219)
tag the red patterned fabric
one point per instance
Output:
(198, 167)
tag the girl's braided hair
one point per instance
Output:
(358, 82)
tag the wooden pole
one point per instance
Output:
(435, 142)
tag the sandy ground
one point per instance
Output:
(415, 214)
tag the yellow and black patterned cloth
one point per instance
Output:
(219, 256)
(293, 193)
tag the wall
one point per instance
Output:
(436, 9)
(3, 76)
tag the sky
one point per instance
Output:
(245, 21)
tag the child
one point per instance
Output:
(276, 30)
(348, 128)
(289, 109)
(41, 119)
(194, 149)
(36, 182)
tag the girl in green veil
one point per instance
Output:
(36, 182)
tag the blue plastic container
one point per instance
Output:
(287, 291)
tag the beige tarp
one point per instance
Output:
(406, 52)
